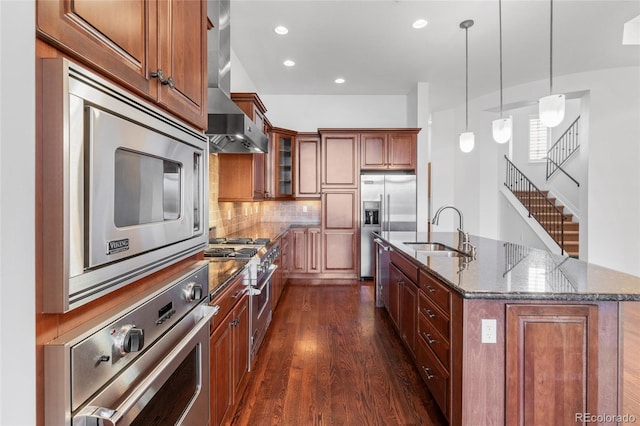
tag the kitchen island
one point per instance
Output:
(515, 335)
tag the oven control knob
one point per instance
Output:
(128, 339)
(193, 292)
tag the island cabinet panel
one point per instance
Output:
(156, 49)
(551, 364)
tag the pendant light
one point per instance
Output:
(551, 108)
(467, 138)
(502, 127)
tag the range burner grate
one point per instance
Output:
(241, 253)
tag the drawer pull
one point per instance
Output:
(235, 322)
(427, 371)
(429, 313)
(236, 294)
(431, 289)
(429, 339)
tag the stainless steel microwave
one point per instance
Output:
(125, 187)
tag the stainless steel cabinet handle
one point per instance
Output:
(427, 336)
(164, 81)
(429, 313)
(431, 289)
(427, 371)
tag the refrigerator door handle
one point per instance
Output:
(382, 213)
(388, 211)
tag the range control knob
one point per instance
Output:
(128, 339)
(193, 292)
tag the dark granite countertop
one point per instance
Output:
(221, 273)
(503, 270)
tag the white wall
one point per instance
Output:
(610, 193)
(17, 213)
(307, 113)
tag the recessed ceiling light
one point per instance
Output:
(289, 63)
(280, 30)
(340, 80)
(420, 23)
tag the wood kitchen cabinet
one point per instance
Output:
(340, 161)
(242, 177)
(229, 351)
(280, 170)
(156, 49)
(340, 233)
(389, 150)
(307, 166)
(306, 250)
(551, 363)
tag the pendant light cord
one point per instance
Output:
(466, 94)
(500, 32)
(551, 50)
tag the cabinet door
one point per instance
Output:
(220, 351)
(258, 170)
(409, 314)
(340, 161)
(307, 168)
(551, 363)
(283, 164)
(240, 177)
(314, 253)
(340, 233)
(240, 331)
(395, 281)
(111, 37)
(182, 51)
(402, 151)
(373, 151)
(299, 250)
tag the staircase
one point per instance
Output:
(544, 209)
(540, 205)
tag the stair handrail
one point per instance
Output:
(566, 145)
(558, 167)
(517, 182)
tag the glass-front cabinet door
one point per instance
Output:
(283, 163)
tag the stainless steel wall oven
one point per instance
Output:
(145, 365)
(125, 187)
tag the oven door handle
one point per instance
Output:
(254, 291)
(92, 415)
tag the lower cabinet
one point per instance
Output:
(228, 351)
(551, 360)
(306, 251)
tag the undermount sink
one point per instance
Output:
(434, 249)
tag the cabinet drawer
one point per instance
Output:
(228, 298)
(436, 378)
(434, 315)
(434, 339)
(436, 291)
(408, 268)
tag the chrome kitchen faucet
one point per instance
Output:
(463, 237)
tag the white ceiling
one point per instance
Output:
(373, 46)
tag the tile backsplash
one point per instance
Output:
(230, 217)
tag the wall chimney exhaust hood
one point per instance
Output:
(229, 130)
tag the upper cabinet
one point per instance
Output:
(307, 166)
(242, 177)
(282, 154)
(393, 149)
(157, 49)
(340, 168)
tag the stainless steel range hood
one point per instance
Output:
(229, 130)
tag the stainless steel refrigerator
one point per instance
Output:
(388, 203)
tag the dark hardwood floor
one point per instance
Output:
(331, 358)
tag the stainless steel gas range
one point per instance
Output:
(261, 254)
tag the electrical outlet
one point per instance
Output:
(228, 214)
(304, 209)
(489, 330)
(246, 211)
